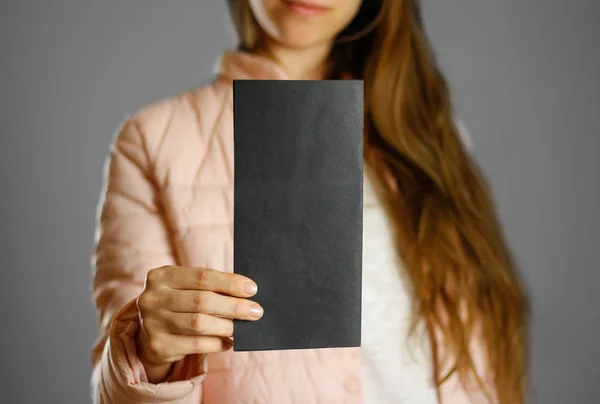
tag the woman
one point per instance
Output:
(444, 316)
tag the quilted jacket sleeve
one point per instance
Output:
(132, 237)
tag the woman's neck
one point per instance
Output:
(299, 64)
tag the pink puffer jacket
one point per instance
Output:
(168, 200)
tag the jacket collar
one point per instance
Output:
(237, 65)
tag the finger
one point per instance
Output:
(211, 280)
(191, 301)
(189, 344)
(199, 324)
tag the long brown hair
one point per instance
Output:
(463, 279)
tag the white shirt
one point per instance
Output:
(393, 371)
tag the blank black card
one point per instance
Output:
(298, 211)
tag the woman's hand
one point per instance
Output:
(189, 311)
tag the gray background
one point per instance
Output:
(524, 75)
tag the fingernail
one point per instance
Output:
(250, 288)
(256, 311)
